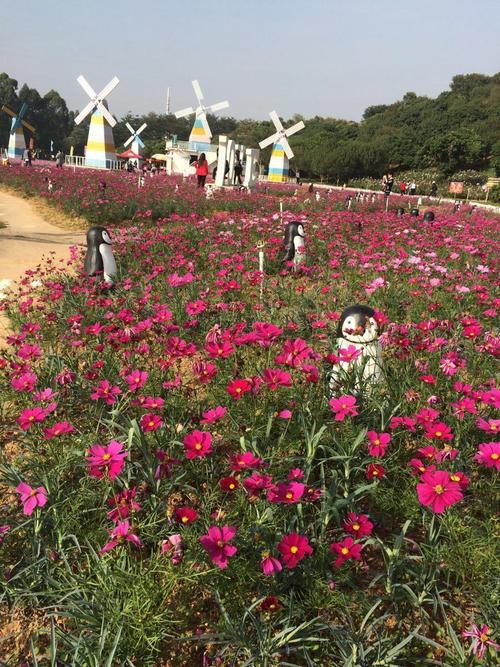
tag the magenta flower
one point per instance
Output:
(216, 544)
(106, 391)
(437, 491)
(106, 460)
(345, 549)
(31, 498)
(245, 460)
(257, 482)
(58, 429)
(378, 443)
(344, 406)
(136, 379)
(358, 525)
(270, 565)
(286, 493)
(481, 638)
(489, 455)
(293, 548)
(150, 422)
(213, 415)
(489, 425)
(348, 354)
(24, 382)
(173, 542)
(123, 504)
(197, 444)
(275, 377)
(120, 534)
(31, 416)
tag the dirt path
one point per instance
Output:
(25, 239)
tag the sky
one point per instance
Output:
(311, 57)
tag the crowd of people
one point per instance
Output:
(405, 187)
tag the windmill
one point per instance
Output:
(278, 164)
(100, 143)
(134, 139)
(200, 134)
(17, 144)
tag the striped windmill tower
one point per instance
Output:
(282, 153)
(101, 151)
(201, 135)
(17, 144)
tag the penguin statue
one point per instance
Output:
(99, 257)
(400, 212)
(414, 212)
(209, 192)
(429, 216)
(358, 328)
(294, 243)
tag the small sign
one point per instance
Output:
(456, 187)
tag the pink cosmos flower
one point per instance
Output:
(294, 352)
(358, 524)
(58, 429)
(136, 379)
(348, 354)
(270, 565)
(275, 377)
(121, 533)
(481, 638)
(213, 415)
(345, 549)
(489, 425)
(257, 482)
(266, 333)
(245, 460)
(107, 460)
(374, 470)
(24, 382)
(198, 444)
(31, 498)
(286, 493)
(438, 431)
(216, 544)
(106, 391)
(285, 414)
(437, 491)
(219, 350)
(378, 443)
(489, 455)
(343, 407)
(31, 416)
(185, 515)
(123, 504)
(293, 548)
(3, 531)
(236, 388)
(173, 542)
(150, 422)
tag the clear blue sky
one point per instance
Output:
(324, 57)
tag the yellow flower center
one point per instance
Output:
(198, 446)
(343, 406)
(231, 486)
(344, 551)
(495, 456)
(272, 606)
(493, 427)
(238, 390)
(455, 478)
(289, 496)
(356, 526)
(438, 489)
(483, 637)
(439, 434)
(184, 519)
(220, 543)
(294, 550)
(376, 442)
(375, 473)
(106, 457)
(151, 423)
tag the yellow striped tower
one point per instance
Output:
(100, 150)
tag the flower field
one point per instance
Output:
(181, 484)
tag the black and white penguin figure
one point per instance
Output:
(99, 257)
(294, 242)
(358, 328)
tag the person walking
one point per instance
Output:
(59, 159)
(402, 187)
(201, 166)
(413, 187)
(390, 182)
(238, 171)
(297, 177)
(434, 189)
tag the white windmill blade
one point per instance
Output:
(106, 114)
(286, 147)
(143, 127)
(270, 140)
(295, 128)
(84, 112)
(130, 128)
(129, 141)
(107, 89)
(197, 90)
(184, 112)
(86, 86)
(218, 106)
(276, 120)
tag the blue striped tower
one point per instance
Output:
(17, 144)
(199, 139)
(100, 147)
(278, 165)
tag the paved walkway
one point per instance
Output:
(25, 239)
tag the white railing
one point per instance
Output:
(79, 161)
